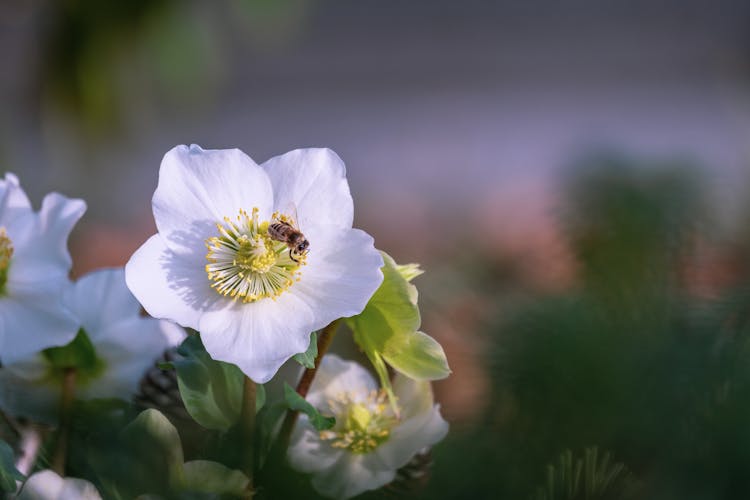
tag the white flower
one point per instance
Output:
(122, 346)
(253, 299)
(369, 443)
(34, 267)
(47, 485)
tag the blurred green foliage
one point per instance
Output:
(631, 360)
(85, 41)
(103, 61)
(587, 477)
(8, 472)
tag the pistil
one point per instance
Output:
(362, 424)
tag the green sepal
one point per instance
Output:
(8, 472)
(210, 389)
(417, 356)
(409, 271)
(79, 354)
(387, 330)
(307, 358)
(296, 402)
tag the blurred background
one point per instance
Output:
(573, 176)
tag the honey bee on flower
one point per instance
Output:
(231, 261)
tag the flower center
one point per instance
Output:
(361, 425)
(245, 263)
(6, 252)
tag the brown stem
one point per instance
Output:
(324, 342)
(66, 405)
(247, 423)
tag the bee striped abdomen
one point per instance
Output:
(293, 237)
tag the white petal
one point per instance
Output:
(198, 188)
(335, 377)
(350, 476)
(307, 452)
(120, 381)
(13, 200)
(126, 343)
(32, 368)
(342, 272)
(314, 182)
(101, 298)
(414, 396)
(260, 336)
(40, 241)
(128, 349)
(47, 485)
(171, 286)
(172, 332)
(411, 436)
(33, 320)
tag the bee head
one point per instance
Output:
(302, 246)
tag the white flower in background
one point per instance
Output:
(119, 346)
(214, 265)
(34, 267)
(47, 485)
(369, 443)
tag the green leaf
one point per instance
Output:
(269, 422)
(205, 476)
(154, 455)
(298, 403)
(211, 390)
(154, 440)
(8, 472)
(387, 330)
(417, 356)
(307, 358)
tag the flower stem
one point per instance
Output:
(66, 406)
(247, 420)
(324, 341)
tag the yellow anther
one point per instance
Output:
(6, 253)
(362, 424)
(245, 262)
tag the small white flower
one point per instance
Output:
(369, 443)
(47, 485)
(125, 345)
(215, 267)
(34, 267)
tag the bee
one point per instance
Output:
(285, 230)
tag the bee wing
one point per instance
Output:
(290, 210)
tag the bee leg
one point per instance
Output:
(291, 256)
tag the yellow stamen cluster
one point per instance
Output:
(245, 263)
(362, 424)
(6, 252)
